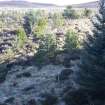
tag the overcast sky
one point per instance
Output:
(58, 2)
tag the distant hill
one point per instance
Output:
(86, 5)
(24, 4)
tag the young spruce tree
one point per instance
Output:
(91, 73)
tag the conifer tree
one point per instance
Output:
(91, 73)
(21, 37)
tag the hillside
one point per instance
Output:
(24, 4)
(87, 5)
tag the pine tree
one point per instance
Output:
(47, 49)
(71, 41)
(21, 37)
(91, 73)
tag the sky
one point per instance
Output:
(59, 2)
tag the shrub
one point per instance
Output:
(21, 37)
(34, 22)
(71, 41)
(29, 21)
(58, 20)
(46, 50)
(40, 28)
(87, 12)
(70, 13)
(9, 53)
